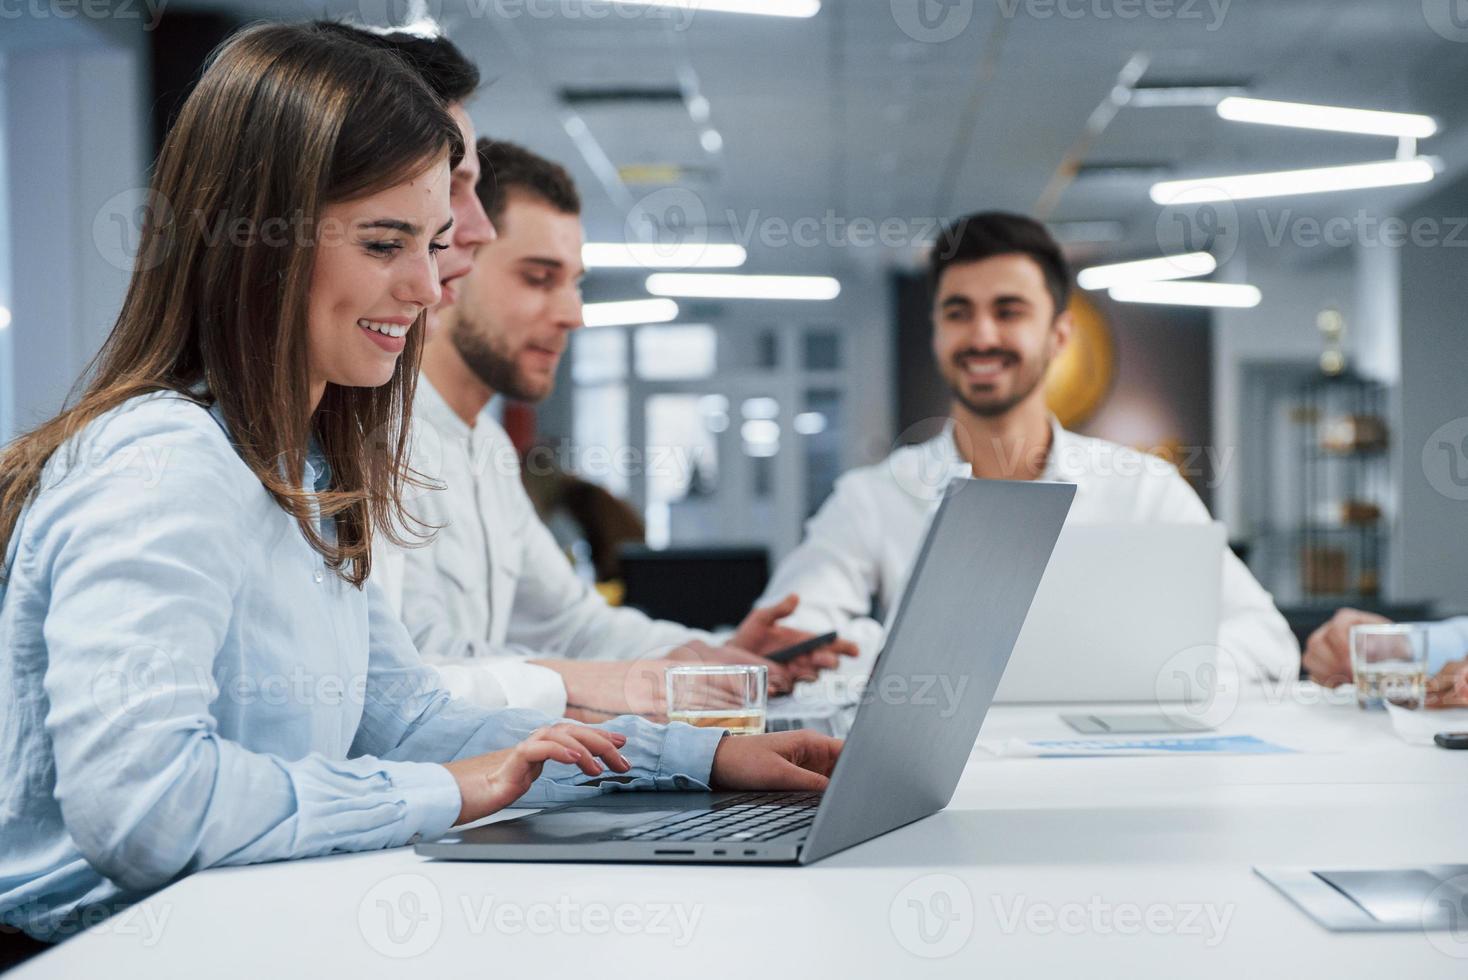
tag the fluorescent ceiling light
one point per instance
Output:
(1387, 173)
(769, 8)
(1334, 119)
(1173, 96)
(708, 286)
(616, 255)
(1184, 266)
(1230, 294)
(629, 313)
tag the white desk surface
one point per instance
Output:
(1124, 867)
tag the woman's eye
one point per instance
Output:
(382, 248)
(436, 247)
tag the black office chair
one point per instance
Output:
(705, 588)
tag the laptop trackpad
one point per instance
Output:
(574, 822)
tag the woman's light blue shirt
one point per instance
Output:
(184, 685)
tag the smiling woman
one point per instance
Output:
(195, 668)
(295, 139)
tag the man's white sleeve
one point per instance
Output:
(504, 682)
(1249, 626)
(836, 571)
(557, 614)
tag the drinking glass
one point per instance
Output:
(725, 696)
(1390, 664)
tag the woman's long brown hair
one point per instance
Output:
(286, 120)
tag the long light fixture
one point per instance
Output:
(1179, 96)
(768, 8)
(629, 313)
(638, 255)
(1333, 119)
(694, 285)
(4, 317)
(1185, 266)
(1225, 294)
(1283, 183)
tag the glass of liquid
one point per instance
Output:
(727, 696)
(1390, 663)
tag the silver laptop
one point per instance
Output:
(1124, 613)
(914, 729)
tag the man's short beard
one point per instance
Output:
(491, 366)
(994, 410)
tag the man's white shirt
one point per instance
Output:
(862, 542)
(493, 590)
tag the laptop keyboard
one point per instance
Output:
(751, 817)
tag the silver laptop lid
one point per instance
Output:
(1124, 613)
(965, 601)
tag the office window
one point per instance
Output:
(599, 427)
(822, 350)
(819, 428)
(598, 355)
(682, 465)
(7, 327)
(676, 353)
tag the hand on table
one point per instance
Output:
(696, 652)
(1328, 651)
(1449, 689)
(599, 690)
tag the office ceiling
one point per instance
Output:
(847, 115)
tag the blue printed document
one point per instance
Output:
(1053, 748)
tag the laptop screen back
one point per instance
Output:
(955, 627)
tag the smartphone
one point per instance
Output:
(804, 646)
(1452, 740)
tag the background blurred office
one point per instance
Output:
(1299, 355)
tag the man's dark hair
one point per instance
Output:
(451, 76)
(986, 234)
(505, 167)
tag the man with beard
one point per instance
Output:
(1001, 290)
(491, 601)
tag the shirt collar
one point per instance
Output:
(316, 475)
(944, 448)
(429, 405)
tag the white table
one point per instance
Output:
(1135, 867)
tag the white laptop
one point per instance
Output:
(1124, 613)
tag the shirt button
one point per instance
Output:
(317, 576)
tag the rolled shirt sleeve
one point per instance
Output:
(1446, 641)
(148, 787)
(408, 716)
